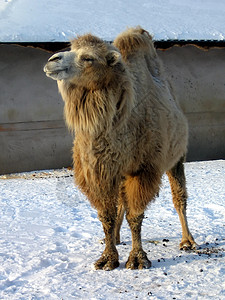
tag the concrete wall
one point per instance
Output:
(198, 78)
(32, 131)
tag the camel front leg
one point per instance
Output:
(178, 187)
(138, 258)
(110, 258)
(119, 221)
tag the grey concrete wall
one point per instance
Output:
(32, 131)
(33, 135)
(198, 78)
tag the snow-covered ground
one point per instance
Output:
(61, 20)
(49, 240)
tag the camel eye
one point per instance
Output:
(87, 58)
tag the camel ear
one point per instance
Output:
(113, 57)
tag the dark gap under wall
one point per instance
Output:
(163, 45)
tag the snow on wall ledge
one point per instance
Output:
(57, 20)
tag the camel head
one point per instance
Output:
(90, 62)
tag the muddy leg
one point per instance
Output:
(137, 192)
(178, 187)
(109, 259)
(119, 221)
(138, 258)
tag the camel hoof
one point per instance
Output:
(138, 260)
(106, 263)
(188, 245)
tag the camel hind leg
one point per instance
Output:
(118, 224)
(119, 221)
(179, 194)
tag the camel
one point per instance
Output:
(129, 131)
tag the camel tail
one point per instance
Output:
(134, 40)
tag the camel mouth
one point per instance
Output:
(48, 69)
(56, 74)
(51, 74)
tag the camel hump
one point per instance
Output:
(133, 40)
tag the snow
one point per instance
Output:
(57, 20)
(49, 240)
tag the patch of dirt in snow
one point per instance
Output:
(65, 172)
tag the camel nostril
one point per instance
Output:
(55, 58)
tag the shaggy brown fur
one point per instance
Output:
(129, 130)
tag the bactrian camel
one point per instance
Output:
(129, 131)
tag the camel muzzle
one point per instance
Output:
(59, 65)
